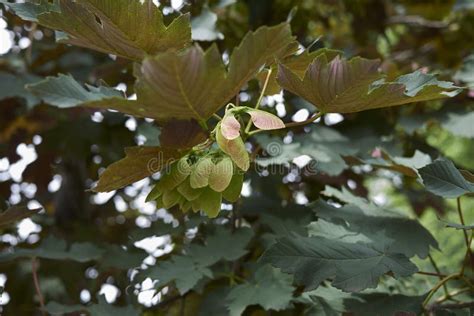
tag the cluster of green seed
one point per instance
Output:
(198, 183)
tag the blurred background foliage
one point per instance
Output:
(49, 157)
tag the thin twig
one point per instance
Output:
(183, 306)
(461, 218)
(435, 266)
(311, 119)
(31, 37)
(432, 274)
(453, 294)
(237, 99)
(262, 93)
(452, 306)
(217, 116)
(466, 238)
(438, 285)
(467, 255)
(34, 270)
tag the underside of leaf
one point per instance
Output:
(140, 162)
(343, 86)
(129, 29)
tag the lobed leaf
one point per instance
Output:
(139, 163)
(269, 288)
(194, 84)
(353, 267)
(342, 86)
(257, 49)
(187, 84)
(181, 134)
(16, 213)
(392, 233)
(57, 249)
(64, 92)
(443, 179)
(129, 29)
(187, 271)
(29, 11)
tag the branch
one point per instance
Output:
(435, 266)
(262, 93)
(432, 274)
(312, 118)
(466, 238)
(438, 285)
(452, 306)
(34, 271)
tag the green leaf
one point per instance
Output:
(466, 73)
(187, 271)
(235, 148)
(199, 177)
(15, 213)
(101, 308)
(204, 26)
(29, 11)
(14, 86)
(325, 145)
(118, 257)
(443, 179)
(269, 288)
(232, 192)
(63, 91)
(129, 29)
(221, 175)
(375, 304)
(139, 163)
(332, 302)
(217, 248)
(460, 124)
(353, 267)
(57, 249)
(342, 86)
(405, 165)
(183, 270)
(264, 120)
(458, 226)
(393, 234)
(324, 301)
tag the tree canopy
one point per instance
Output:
(233, 157)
